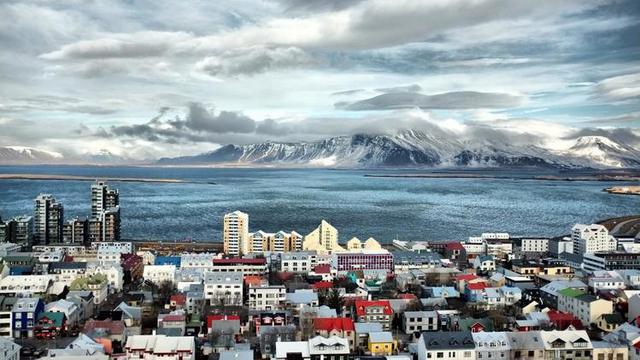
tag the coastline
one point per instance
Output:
(595, 177)
(86, 178)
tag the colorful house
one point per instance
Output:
(336, 326)
(381, 343)
(50, 325)
(374, 311)
(25, 313)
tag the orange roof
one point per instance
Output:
(328, 324)
(361, 305)
(477, 286)
(253, 279)
(322, 269)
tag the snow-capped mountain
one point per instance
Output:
(604, 151)
(28, 155)
(418, 148)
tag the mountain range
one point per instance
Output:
(405, 148)
(413, 148)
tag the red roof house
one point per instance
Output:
(333, 326)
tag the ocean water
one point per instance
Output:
(297, 199)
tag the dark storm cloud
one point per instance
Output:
(199, 125)
(449, 100)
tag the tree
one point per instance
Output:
(344, 282)
(414, 305)
(335, 300)
(165, 290)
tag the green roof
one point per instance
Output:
(56, 317)
(571, 292)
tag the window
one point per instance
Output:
(440, 355)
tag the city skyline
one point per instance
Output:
(165, 79)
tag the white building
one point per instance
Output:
(591, 238)
(300, 262)
(6, 316)
(224, 288)
(158, 274)
(419, 321)
(606, 283)
(197, 260)
(458, 345)
(113, 272)
(157, 347)
(266, 297)
(235, 233)
(26, 285)
(534, 245)
(110, 252)
(9, 350)
(492, 345)
(585, 307)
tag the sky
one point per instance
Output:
(145, 79)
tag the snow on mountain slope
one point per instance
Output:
(419, 148)
(27, 155)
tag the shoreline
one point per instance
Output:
(87, 178)
(596, 177)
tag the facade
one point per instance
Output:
(235, 233)
(492, 345)
(75, 231)
(615, 260)
(381, 343)
(103, 198)
(23, 230)
(568, 344)
(68, 308)
(323, 240)
(419, 321)
(591, 238)
(48, 218)
(484, 263)
(224, 289)
(110, 219)
(269, 297)
(152, 347)
(534, 245)
(406, 260)
(302, 262)
(585, 307)
(9, 350)
(158, 274)
(374, 311)
(279, 242)
(336, 326)
(457, 345)
(6, 316)
(246, 266)
(363, 260)
(25, 314)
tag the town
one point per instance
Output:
(73, 289)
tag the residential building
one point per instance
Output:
(50, 325)
(381, 343)
(224, 288)
(25, 285)
(342, 327)
(25, 314)
(614, 260)
(323, 240)
(419, 321)
(591, 239)
(110, 219)
(484, 263)
(266, 297)
(6, 315)
(374, 311)
(158, 274)
(404, 261)
(606, 282)
(457, 345)
(152, 347)
(492, 345)
(103, 198)
(235, 233)
(68, 308)
(526, 345)
(48, 218)
(533, 245)
(363, 259)
(75, 231)
(549, 293)
(298, 262)
(588, 308)
(9, 350)
(606, 350)
(567, 344)
(23, 230)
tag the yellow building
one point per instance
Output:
(323, 240)
(281, 241)
(235, 233)
(381, 343)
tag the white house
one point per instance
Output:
(224, 288)
(418, 321)
(492, 345)
(484, 263)
(266, 297)
(158, 274)
(155, 347)
(9, 350)
(300, 261)
(113, 272)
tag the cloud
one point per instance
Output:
(134, 45)
(56, 103)
(254, 60)
(200, 119)
(407, 88)
(347, 92)
(620, 87)
(633, 117)
(449, 100)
